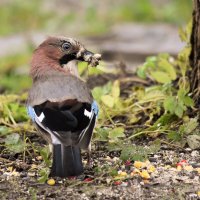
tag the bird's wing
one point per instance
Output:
(57, 88)
(69, 127)
(37, 120)
(86, 135)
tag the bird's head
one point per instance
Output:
(55, 52)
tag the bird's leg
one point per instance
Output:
(89, 163)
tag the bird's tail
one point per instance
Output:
(66, 161)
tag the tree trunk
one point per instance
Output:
(195, 53)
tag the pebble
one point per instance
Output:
(108, 180)
(188, 149)
(39, 158)
(31, 174)
(142, 183)
(99, 193)
(115, 159)
(152, 159)
(23, 174)
(195, 165)
(195, 153)
(124, 184)
(168, 163)
(192, 196)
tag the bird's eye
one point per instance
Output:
(66, 46)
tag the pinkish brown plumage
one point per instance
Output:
(50, 56)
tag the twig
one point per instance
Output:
(173, 145)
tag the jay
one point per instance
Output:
(60, 104)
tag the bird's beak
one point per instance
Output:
(89, 57)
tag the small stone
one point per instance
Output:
(39, 158)
(195, 153)
(119, 172)
(192, 196)
(156, 156)
(142, 183)
(124, 184)
(34, 166)
(23, 174)
(168, 163)
(152, 159)
(195, 165)
(14, 173)
(108, 158)
(99, 193)
(108, 180)
(84, 162)
(198, 170)
(115, 159)
(123, 167)
(188, 149)
(31, 174)
(10, 169)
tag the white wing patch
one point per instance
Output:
(87, 113)
(41, 117)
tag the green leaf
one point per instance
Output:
(44, 152)
(170, 104)
(188, 101)
(113, 172)
(161, 77)
(179, 110)
(97, 93)
(133, 119)
(4, 130)
(183, 35)
(174, 135)
(193, 141)
(165, 119)
(141, 72)
(14, 143)
(102, 134)
(12, 139)
(149, 64)
(116, 133)
(19, 113)
(167, 67)
(139, 153)
(181, 94)
(151, 95)
(44, 174)
(116, 89)
(151, 59)
(189, 127)
(108, 100)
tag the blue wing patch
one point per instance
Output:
(95, 108)
(31, 113)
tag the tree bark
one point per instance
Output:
(195, 53)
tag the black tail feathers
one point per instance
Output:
(66, 161)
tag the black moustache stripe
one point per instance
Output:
(66, 58)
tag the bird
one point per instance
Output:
(60, 103)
